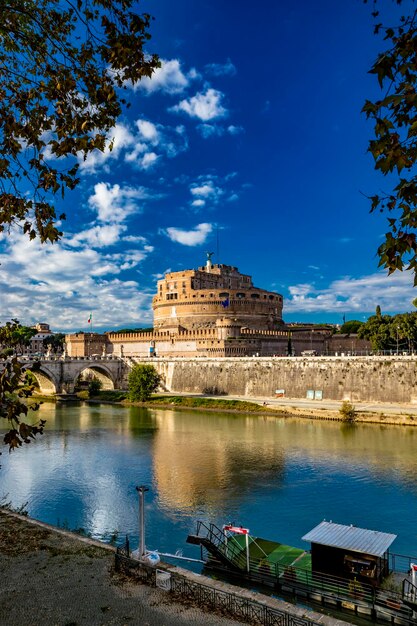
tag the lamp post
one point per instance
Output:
(141, 491)
(398, 328)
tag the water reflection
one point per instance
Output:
(202, 463)
(278, 476)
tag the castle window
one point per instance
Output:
(271, 297)
(255, 296)
(240, 295)
(224, 294)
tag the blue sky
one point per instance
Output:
(249, 142)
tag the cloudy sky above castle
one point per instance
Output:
(248, 142)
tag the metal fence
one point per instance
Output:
(208, 597)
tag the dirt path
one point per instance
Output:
(50, 578)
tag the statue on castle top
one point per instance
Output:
(209, 255)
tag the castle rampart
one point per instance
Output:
(367, 379)
(214, 310)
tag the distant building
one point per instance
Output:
(37, 345)
(211, 311)
(194, 299)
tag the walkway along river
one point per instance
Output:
(279, 477)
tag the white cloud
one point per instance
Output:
(134, 239)
(221, 69)
(210, 130)
(98, 236)
(198, 203)
(120, 137)
(61, 283)
(147, 130)
(215, 130)
(235, 130)
(169, 78)
(204, 106)
(148, 160)
(393, 293)
(140, 145)
(205, 191)
(115, 203)
(194, 237)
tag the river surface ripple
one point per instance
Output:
(277, 476)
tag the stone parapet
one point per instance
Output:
(367, 379)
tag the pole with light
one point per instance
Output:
(141, 491)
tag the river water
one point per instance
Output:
(278, 477)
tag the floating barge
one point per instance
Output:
(347, 568)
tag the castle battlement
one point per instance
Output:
(212, 311)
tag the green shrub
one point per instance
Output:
(143, 381)
(94, 386)
(348, 412)
(83, 395)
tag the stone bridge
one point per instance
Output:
(59, 375)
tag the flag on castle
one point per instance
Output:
(225, 303)
(90, 319)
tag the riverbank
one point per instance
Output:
(54, 577)
(368, 413)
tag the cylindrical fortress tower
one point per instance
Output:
(194, 299)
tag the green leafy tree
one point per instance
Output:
(143, 382)
(404, 331)
(15, 387)
(56, 340)
(351, 327)
(378, 331)
(394, 145)
(348, 412)
(63, 65)
(15, 337)
(94, 386)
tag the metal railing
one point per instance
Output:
(229, 549)
(385, 603)
(297, 580)
(208, 597)
(401, 563)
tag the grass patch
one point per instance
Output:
(112, 395)
(209, 403)
(186, 402)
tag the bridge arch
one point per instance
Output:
(48, 385)
(99, 371)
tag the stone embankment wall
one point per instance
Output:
(374, 379)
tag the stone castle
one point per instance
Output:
(213, 311)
